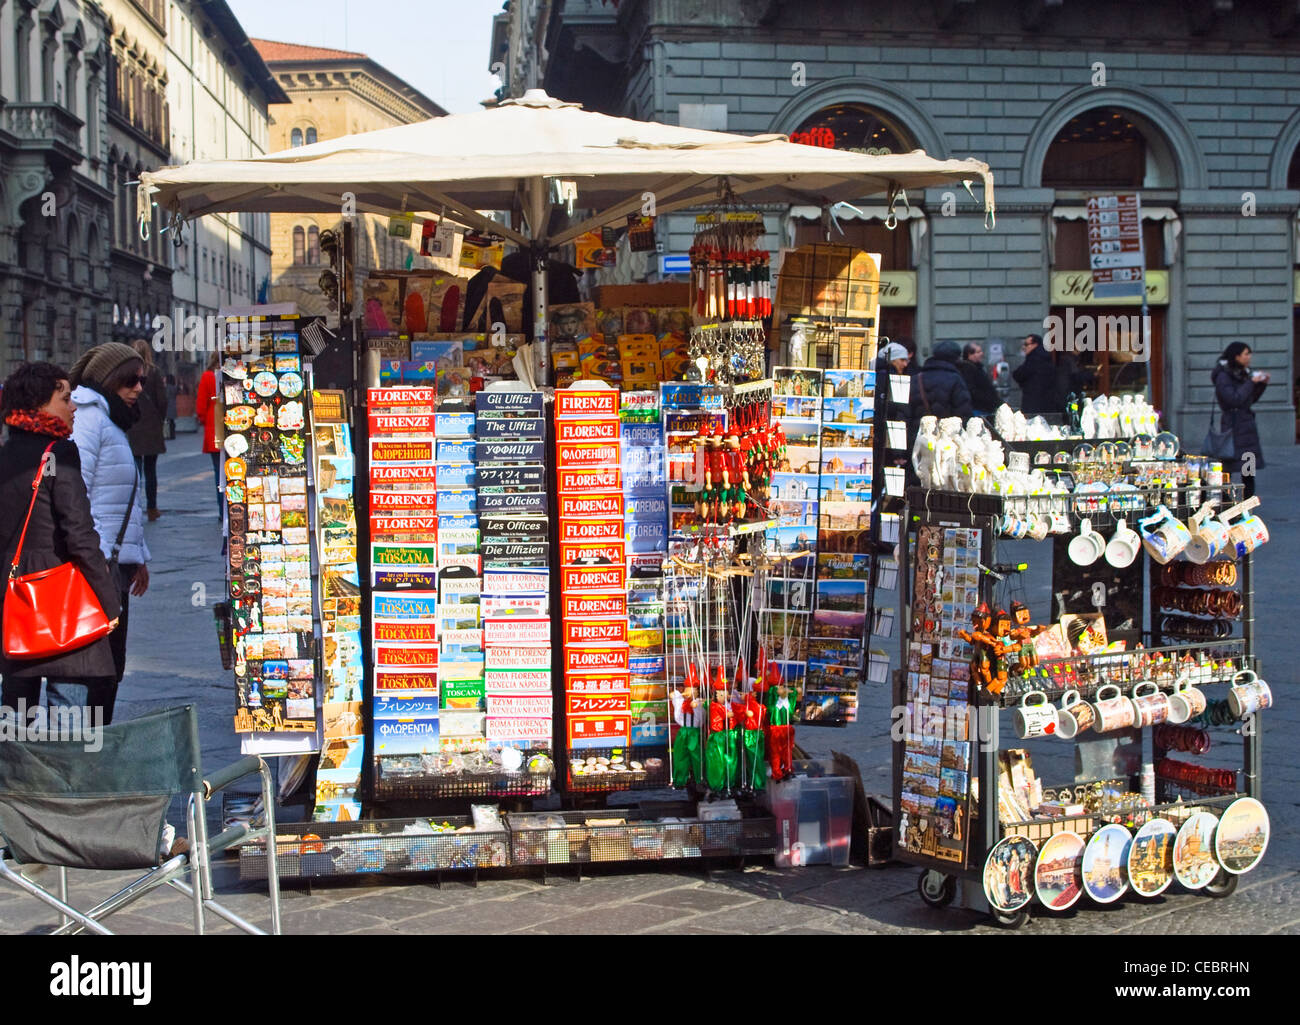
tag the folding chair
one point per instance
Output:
(66, 807)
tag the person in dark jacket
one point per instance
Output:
(147, 436)
(1037, 379)
(937, 389)
(38, 410)
(983, 396)
(1237, 389)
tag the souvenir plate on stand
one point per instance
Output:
(1007, 882)
(1151, 858)
(1105, 863)
(1058, 874)
(1194, 864)
(1242, 836)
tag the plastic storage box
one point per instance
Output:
(814, 820)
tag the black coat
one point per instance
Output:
(146, 436)
(1037, 379)
(61, 530)
(938, 390)
(1236, 393)
(983, 396)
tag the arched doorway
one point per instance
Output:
(1097, 151)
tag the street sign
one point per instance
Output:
(674, 263)
(1115, 246)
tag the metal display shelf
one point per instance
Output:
(401, 786)
(323, 850)
(614, 777)
(939, 879)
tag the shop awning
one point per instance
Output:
(501, 159)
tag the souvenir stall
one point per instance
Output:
(1111, 742)
(536, 614)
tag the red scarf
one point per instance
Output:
(38, 422)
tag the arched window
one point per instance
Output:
(295, 138)
(299, 245)
(1100, 148)
(311, 136)
(1293, 172)
(22, 59)
(313, 245)
(854, 127)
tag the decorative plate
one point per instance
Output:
(1105, 863)
(1008, 882)
(1058, 874)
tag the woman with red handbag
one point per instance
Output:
(54, 529)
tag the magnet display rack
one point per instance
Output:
(1176, 797)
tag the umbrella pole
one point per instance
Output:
(541, 343)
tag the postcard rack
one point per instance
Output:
(933, 518)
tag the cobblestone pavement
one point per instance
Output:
(172, 658)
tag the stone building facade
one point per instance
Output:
(220, 97)
(138, 134)
(333, 93)
(55, 198)
(1195, 106)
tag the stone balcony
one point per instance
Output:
(44, 126)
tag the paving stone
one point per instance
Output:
(617, 920)
(698, 899)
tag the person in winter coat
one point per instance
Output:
(1237, 389)
(1037, 379)
(205, 407)
(37, 408)
(107, 382)
(938, 388)
(983, 396)
(146, 436)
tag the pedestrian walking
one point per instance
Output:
(36, 407)
(1237, 389)
(107, 382)
(147, 436)
(205, 407)
(1037, 379)
(983, 396)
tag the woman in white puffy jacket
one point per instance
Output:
(106, 383)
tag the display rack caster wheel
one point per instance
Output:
(935, 888)
(1009, 919)
(1222, 885)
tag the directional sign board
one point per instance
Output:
(1115, 246)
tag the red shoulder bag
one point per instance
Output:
(52, 611)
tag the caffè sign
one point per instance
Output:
(1074, 288)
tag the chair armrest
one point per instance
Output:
(222, 778)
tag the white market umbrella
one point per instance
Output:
(501, 159)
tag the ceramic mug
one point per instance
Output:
(1211, 540)
(1014, 527)
(1088, 546)
(1123, 548)
(1163, 536)
(1150, 704)
(1248, 694)
(1248, 534)
(1037, 719)
(1075, 716)
(1039, 525)
(1186, 702)
(1113, 710)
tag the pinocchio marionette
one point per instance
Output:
(720, 761)
(781, 701)
(688, 716)
(751, 717)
